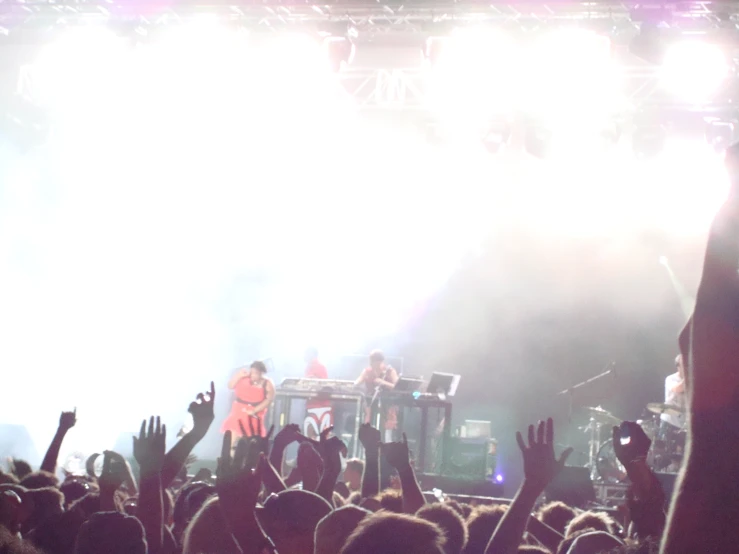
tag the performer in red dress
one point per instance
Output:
(319, 414)
(253, 395)
(380, 376)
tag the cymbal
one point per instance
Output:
(669, 409)
(601, 415)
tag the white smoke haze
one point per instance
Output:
(176, 225)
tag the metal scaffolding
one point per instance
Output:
(380, 82)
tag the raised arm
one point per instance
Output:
(331, 450)
(645, 497)
(370, 439)
(238, 490)
(66, 421)
(704, 516)
(540, 466)
(148, 449)
(236, 377)
(398, 456)
(202, 413)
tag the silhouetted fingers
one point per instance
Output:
(261, 467)
(550, 431)
(226, 446)
(242, 451)
(566, 454)
(532, 439)
(243, 430)
(519, 440)
(212, 391)
(540, 430)
(142, 431)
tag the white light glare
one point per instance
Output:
(572, 81)
(663, 260)
(475, 75)
(694, 70)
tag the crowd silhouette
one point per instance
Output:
(328, 505)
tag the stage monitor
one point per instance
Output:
(443, 384)
(406, 384)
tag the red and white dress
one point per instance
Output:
(248, 395)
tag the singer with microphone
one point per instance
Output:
(253, 394)
(376, 378)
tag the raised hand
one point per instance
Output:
(235, 482)
(202, 411)
(115, 471)
(637, 446)
(67, 420)
(370, 438)
(288, 435)
(238, 489)
(397, 454)
(257, 443)
(310, 466)
(331, 448)
(149, 447)
(539, 463)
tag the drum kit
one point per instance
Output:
(668, 442)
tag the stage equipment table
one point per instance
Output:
(426, 462)
(280, 410)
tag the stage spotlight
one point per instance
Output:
(471, 75)
(499, 478)
(694, 70)
(648, 140)
(340, 52)
(663, 260)
(720, 134)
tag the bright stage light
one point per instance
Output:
(82, 67)
(663, 261)
(571, 79)
(694, 70)
(473, 75)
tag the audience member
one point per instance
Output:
(391, 533)
(450, 523)
(333, 530)
(557, 515)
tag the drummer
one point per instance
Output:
(675, 395)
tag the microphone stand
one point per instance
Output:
(570, 392)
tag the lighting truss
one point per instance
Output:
(379, 86)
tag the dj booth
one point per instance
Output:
(425, 417)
